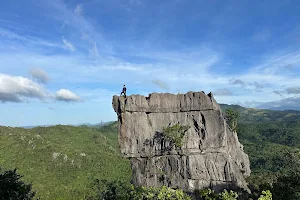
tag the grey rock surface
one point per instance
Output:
(210, 155)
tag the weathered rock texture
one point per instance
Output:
(211, 155)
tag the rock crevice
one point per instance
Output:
(210, 155)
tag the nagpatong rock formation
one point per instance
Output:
(211, 155)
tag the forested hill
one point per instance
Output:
(279, 127)
(267, 136)
(63, 161)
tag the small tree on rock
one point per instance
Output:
(232, 116)
(175, 133)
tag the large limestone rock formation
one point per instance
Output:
(211, 155)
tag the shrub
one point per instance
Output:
(208, 194)
(175, 133)
(266, 195)
(116, 190)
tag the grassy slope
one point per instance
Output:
(85, 154)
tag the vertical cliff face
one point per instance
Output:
(210, 155)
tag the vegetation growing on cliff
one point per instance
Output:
(176, 133)
(232, 116)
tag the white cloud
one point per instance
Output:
(66, 95)
(39, 75)
(18, 88)
(68, 45)
(78, 10)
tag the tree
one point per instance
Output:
(232, 116)
(287, 185)
(12, 188)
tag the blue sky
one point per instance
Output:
(62, 61)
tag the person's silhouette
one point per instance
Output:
(123, 91)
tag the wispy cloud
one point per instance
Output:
(68, 45)
(238, 82)
(26, 40)
(279, 63)
(94, 50)
(262, 36)
(280, 93)
(135, 2)
(78, 9)
(161, 84)
(222, 92)
(293, 90)
(257, 85)
(51, 108)
(78, 24)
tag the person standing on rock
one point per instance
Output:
(123, 91)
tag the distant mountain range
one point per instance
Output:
(291, 103)
(266, 111)
(82, 124)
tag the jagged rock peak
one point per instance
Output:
(210, 155)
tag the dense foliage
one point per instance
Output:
(118, 190)
(13, 188)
